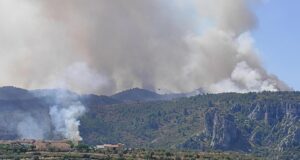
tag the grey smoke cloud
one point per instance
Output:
(104, 46)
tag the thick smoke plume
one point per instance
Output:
(104, 46)
(65, 114)
(66, 121)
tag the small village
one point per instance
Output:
(55, 145)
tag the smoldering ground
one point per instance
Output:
(103, 46)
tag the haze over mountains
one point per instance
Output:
(131, 95)
(53, 113)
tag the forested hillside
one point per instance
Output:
(253, 122)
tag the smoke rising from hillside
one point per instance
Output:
(66, 121)
(42, 114)
(65, 114)
(29, 128)
(103, 46)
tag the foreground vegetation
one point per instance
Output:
(85, 152)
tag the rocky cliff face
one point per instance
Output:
(273, 114)
(291, 140)
(221, 132)
(275, 125)
(282, 119)
(226, 135)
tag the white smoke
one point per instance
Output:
(54, 114)
(24, 123)
(65, 114)
(29, 128)
(248, 73)
(40, 114)
(176, 45)
(65, 120)
(79, 74)
(245, 77)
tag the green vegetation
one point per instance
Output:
(126, 154)
(266, 122)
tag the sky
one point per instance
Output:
(277, 37)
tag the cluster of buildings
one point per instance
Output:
(117, 147)
(55, 145)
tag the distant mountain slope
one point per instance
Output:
(130, 95)
(54, 93)
(137, 94)
(92, 100)
(10, 93)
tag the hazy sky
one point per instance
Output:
(277, 37)
(105, 46)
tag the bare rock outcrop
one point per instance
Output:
(225, 135)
